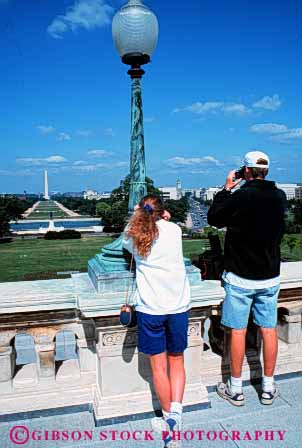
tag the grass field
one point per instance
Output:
(43, 210)
(42, 259)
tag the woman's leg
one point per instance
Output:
(161, 380)
(177, 376)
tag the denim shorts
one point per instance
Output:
(162, 333)
(239, 301)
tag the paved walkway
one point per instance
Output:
(284, 417)
(66, 210)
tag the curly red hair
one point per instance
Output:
(142, 226)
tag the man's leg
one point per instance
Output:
(237, 351)
(161, 380)
(270, 350)
(265, 316)
(235, 314)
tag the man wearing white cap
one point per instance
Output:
(254, 218)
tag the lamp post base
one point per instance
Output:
(113, 258)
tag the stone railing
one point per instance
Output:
(61, 344)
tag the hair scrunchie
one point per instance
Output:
(148, 208)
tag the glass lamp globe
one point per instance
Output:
(135, 32)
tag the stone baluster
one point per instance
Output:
(290, 323)
(7, 358)
(7, 363)
(47, 361)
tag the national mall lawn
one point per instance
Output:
(38, 259)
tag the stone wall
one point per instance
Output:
(79, 353)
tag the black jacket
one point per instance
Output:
(254, 218)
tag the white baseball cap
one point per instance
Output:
(252, 157)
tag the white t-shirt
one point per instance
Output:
(245, 283)
(162, 283)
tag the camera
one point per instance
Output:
(239, 174)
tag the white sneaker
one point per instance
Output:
(159, 424)
(174, 425)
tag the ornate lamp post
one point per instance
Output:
(135, 33)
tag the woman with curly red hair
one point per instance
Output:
(162, 302)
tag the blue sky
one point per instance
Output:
(224, 79)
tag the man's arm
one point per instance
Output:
(224, 203)
(218, 213)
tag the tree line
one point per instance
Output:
(112, 211)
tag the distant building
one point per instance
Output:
(193, 192)
(289, 190)
(178, 188)
(188, 192)
(46, 192)
(92, 194)
(298, 192)
(172, 192)
(209, 193)
(169, 193)
(105, 195)
(73, 194)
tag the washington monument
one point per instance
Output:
(46, 194)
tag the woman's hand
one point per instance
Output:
(166, 215)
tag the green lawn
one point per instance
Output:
(193, 248)
(293, 251)
(42, 259)
(43, 210)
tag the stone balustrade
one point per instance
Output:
(61, 344)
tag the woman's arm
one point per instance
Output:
(127, 242)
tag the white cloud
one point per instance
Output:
(199, 172)
(99, 153)
(84, 132)
(268, 128)
(278, 132)
(87, 14)
(55, 159)
(38, 161)
(292, 136)
(109, 132)
(182, 162)
(87, 168)
(214, 107)
(200, 108)
(268, 103)
(46, 129)
(79, 162)
(25, 172)
(121, 164)
(63, 136)
(239, 109)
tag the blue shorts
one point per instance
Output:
(162, 333)
(239, 301)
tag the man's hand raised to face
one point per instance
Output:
(231, 182)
